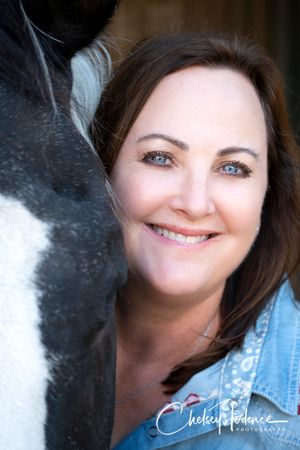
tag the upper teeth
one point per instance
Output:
(178, 236)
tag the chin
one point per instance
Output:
(174, 286)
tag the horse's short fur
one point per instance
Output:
(61, 258)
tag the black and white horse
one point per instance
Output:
(61, 258)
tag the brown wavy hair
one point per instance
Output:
(275, 253)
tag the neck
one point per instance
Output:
(164, 329)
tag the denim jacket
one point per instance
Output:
(247, 400)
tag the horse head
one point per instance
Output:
(61, 259)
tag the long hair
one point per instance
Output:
(275, 252)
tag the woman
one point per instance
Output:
(197, 144)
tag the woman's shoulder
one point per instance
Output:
(248, 399)
(278, 374)
(276, 384)
(275, 392)
(262, 378)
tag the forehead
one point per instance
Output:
(212, 84)
(197, 98)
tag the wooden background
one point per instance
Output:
(274, 24)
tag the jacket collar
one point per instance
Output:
(278, 372)
(268, 361)
(267, 364)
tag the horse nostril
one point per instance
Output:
(77, 192)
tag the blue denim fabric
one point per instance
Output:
(248, 400)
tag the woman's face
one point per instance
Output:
(191, 177)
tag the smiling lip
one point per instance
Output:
(171, 235)
(185, 231)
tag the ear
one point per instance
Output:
(74, 23)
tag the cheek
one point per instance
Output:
(139, 195)
(124, 187)
(241, 210)
(126, 197)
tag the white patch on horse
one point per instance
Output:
(24, 372)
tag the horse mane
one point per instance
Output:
(31, 63)
(22, 54)
(91, 69)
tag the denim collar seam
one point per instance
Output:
(254, 339)
(294, 373)
(269, 394)
(289, 400)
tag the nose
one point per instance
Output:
(193, 197)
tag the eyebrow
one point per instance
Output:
(232, 150)
(183, 146)
(180, 144)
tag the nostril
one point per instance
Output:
(71, 191)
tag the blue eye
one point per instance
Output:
(235, 169)
(158, 158)
(231, 169)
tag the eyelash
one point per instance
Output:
(243, 167)
(245, 171)
(167, 155)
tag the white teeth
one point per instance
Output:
(179, 237)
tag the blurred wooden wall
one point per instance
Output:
(269, 22)
(138, 18)
(274, 24)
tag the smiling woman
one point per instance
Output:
(198, 148)
(191, 200)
